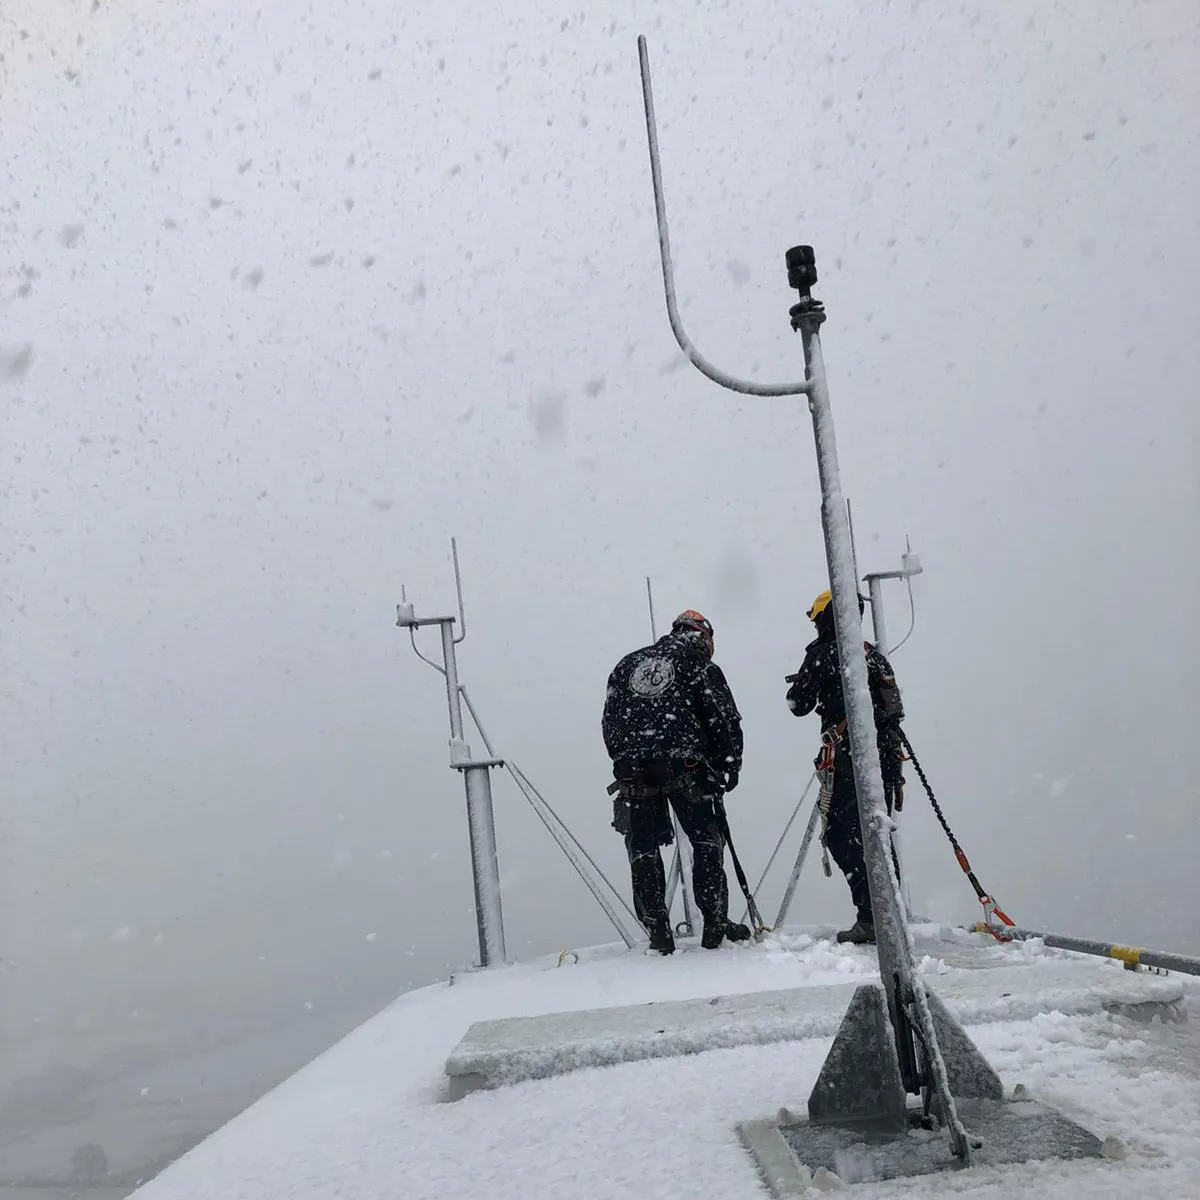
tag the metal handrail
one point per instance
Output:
(1132, 956)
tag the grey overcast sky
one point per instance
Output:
(291, 294)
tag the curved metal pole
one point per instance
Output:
(462, 616)
(664, 245)
(907, 998)
(412, 637)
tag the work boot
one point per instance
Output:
(714, 934)
(662, 941)
(861, 933)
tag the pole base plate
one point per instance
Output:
(788, 1154)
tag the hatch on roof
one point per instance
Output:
(984, 984)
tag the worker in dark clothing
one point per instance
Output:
(818, 684)
(674, 734)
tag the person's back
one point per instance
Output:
(669, 701)
(674, 735)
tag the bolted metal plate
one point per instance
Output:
(1007, 1131)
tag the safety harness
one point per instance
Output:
(885, 701)
(826, 763)
(677, 777)
(673, 781)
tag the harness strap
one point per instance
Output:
(688, 781)
(826, 764)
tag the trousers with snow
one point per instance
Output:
(650, 828)
(844, 835)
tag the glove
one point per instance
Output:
(731, 780)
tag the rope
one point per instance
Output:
(990, 906)
(723, 827)
(530, 792)
(782, 837)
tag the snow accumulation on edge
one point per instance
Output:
(368, 1120)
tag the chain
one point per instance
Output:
(937, 808)
(990, 906)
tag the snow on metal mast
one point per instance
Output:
(897, 1037)
(899, 1067)
(476, 773)
(910, 565)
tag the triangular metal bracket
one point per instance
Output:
(969, 1074)
(860, 1083)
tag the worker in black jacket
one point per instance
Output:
(674, 734)
(818, 684)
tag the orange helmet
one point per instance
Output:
(697, 622)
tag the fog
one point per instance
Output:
(290, 296)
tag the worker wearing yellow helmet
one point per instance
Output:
(818, 685)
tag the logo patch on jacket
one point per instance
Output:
(652, 676)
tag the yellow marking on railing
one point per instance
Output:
(1130, 955)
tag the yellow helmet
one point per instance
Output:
(824, 600)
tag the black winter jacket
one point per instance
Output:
(668, 700)
(818, 684)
